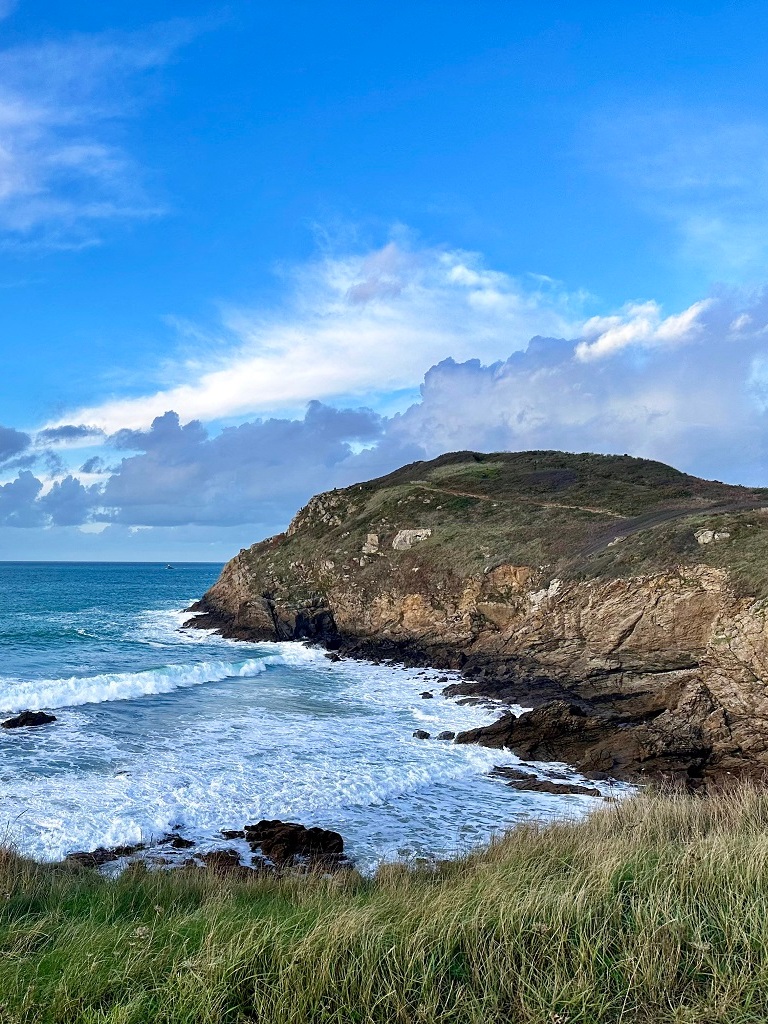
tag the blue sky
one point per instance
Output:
(254, 250)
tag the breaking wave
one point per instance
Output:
(17, 694)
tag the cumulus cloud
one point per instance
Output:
(27, 501)
(12, 443)
(18, 501)
(640, 324)
(353, 326)
(62, 172)
(257, 472)
(702, 407)
(67, 503)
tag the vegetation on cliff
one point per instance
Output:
(651, 911)
(550, 510)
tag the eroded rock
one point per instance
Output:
(405, 539)
(28, 718)
(287, 843)
(532, 783)
(101, 855)
(371, 544)
(224, 862)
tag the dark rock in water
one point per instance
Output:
(225, 862)
(233, 833)
(420, 734)
(427, 695)
(333, 656)
(177, 842)
(446, 734)
(532, 784)
(287, 842)
(101, 855)
(558, 731)
(28, 718)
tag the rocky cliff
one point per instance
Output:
(623, 600)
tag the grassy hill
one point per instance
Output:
(551, 509)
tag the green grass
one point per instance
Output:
(653, 910)
(667, 546)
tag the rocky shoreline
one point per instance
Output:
(623, 601)
(556, 729)
(273, 847)
(635, 717)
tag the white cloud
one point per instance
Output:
(62, 172)
(689, 389)
(642, 325)
(355, 325)
(701, 407)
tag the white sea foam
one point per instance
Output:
(278, 731)
(17, 694)
(328, 745)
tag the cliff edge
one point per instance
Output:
(623, 600)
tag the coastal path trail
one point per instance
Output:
(649, 520)
(628, 526)
(526, 501)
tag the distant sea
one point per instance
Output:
(162, 728)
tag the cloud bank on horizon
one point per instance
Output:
(690, 388)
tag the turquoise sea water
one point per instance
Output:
(160, 727)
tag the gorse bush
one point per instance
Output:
(654, 909)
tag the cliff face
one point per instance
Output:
(624, 600)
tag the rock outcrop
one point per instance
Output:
(28, 718)
(527, 782)
(648, 657)
(275, 845)
(287, 843)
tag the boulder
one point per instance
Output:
(557, 731)
(101, 855)
(371, 545)
(708, 536)
(286, 843)
(427, 695)
(405, 539)
(225, 862)
(177, 842)
(28, 718)
(533, 784)
(446, 734)
(420, 734)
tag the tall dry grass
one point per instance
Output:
(652, 910)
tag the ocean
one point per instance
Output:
(161, 728)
